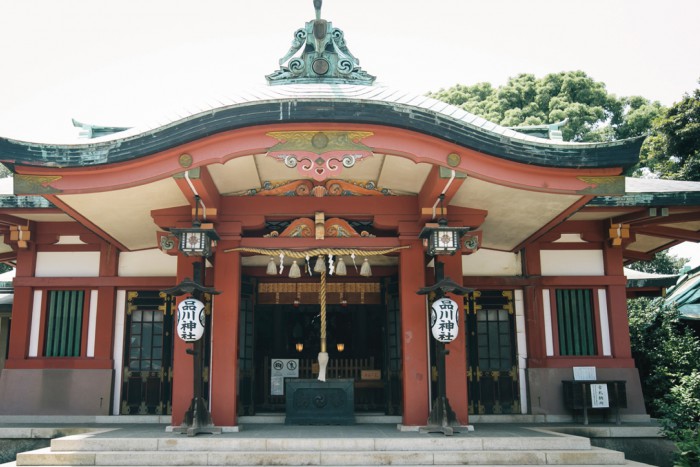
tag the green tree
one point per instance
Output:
(665, 351)
(593, 113)
(673, 151)
(663, 263)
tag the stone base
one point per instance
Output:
(314, 402)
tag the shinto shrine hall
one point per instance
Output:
(315, 200)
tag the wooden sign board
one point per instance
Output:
(371, 375)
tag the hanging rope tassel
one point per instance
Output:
(323, 354)
(294, 271)
(271, 267)
(340, 268)
(365, 270)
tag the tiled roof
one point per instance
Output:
(323, 103)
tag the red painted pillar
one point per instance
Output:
(22, 309)
(104, 328)
(456, 360)
(183, 364)
(617, 305)
(416, 376)
(534, 309)
(224, 365)
(106, 303)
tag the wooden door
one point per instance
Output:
(148, 346)
(492, 376)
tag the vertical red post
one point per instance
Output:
(617, 305)
(456, 360)
(224, 380)
(106, 303)
(22, 309)
(416, 376)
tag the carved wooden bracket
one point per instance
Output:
(309, 228)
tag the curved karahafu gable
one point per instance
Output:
(327, 103)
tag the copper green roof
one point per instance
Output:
(686, 295)
(653, 193)
(324, 103)
(319, 54)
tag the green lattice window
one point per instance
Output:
(576, 322)
(64, 323)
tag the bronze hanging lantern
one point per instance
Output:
(440, 238)
(198, 239)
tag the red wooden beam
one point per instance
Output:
(56, 201)
(672, 219)
(198, 181)
(630, 217)
(669, 232)
(439, 181)
(637, 255)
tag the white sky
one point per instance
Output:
(119, 62)
(124, 62)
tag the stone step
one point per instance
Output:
(592, 456)
(87, 442)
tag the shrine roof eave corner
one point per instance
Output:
(24, 202)
(652, 193)
(318, 103)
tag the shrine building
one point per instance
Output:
(316, 191)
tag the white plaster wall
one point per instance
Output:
(547, 316)
(491, 263)
(33, 350)
(604, 325)
(572, 263)
(68, 264)
(521, 339)
(118, 349)
(92, 324)
(147, 263)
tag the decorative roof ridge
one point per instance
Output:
(324, 57)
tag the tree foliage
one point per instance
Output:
(593, 113)
(663, 263)
(665, 351)
(673, 150)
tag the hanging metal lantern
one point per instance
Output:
(196, 240)
(442, 239)
(444, 320)
(190, 320)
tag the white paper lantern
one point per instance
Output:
(444, 320)
(190, 320)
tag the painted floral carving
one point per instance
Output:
(319, 154)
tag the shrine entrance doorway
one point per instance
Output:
(363, 342)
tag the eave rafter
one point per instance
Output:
(669, 232)
(91, 226)
(440, 181)
(198, 182)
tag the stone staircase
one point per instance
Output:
(300, 448)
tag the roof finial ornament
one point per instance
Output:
(319, 54)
